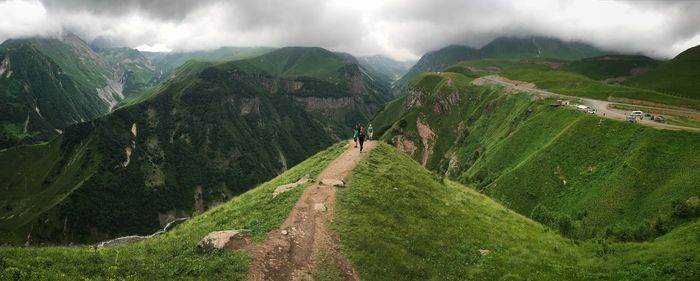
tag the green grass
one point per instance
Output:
(601, 68)
(575, 171)
(425, 230)
(573, 84)
(31, 186)
(398, 221)
(678, 77)
(388, 115)
(172, 255)
(296, 62)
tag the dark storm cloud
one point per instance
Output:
(399, 28)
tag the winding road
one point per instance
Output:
(603, 108)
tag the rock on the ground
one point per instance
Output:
(333, 182)
(287, 187)
(319, 207)
(484, 252)
(231, 239)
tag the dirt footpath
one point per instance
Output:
(297, 248)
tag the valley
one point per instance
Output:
(512, 161)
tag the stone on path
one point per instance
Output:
(287, 187)
(333, 182)
(230, 239)
(320, 207)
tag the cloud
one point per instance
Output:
(402, 29)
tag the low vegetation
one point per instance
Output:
(426, 227)
(171, 255)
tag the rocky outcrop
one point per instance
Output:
(404, 144)
(327, 106)
(414, 99)
(229, 239)
(427, 138)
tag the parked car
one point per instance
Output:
(637, 113)
(660, 118)
(631, 119)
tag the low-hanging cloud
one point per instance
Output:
(401, 29)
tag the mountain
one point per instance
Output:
(48, 84)
(385, 67)
(544, 47)
(437, 60)
(395, 220)
(167, 62)
(586, 176)
(612, 68)
(678, 76)
(210, 132)
(137, 71)
(504, 48)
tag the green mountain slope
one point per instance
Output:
(587, 176)
(678, 76)
(437, 60)
(615, 68)
(211, 132)
(574, 84)
(520, 48)
(172, 255)
(166, 63)
(505, 48)
(48, 84)
(398, 221)
(136, 70)
(395, 219)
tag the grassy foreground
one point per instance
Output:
(397, 221)
(423, 229)
(172, 255)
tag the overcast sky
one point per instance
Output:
(402, 29)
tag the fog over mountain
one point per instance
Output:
(399, 29)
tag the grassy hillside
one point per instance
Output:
(513, 48)
(136, 70)
(678, 77)
(212, 131)
(166, 63)
(574, 84)
(500, 51)
(397, 221)
(423, 229)
(297, 62)
(172, 255)
(586, 176)
(437, 60)
(612, 66)
(45, 86)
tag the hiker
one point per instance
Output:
(361, 137)
(356, 132)
(370, 131)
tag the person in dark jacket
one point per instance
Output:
(361, 137)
